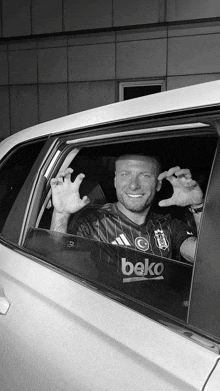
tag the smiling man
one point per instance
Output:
(136, 182)
(130, 221)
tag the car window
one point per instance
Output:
(150, 275)
(13, 172)
(144, 277)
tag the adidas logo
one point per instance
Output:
(121, 240)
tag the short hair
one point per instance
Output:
(154, 158)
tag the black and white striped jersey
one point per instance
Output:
(159, 235)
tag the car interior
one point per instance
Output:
(98, 165)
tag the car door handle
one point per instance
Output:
(4, 303)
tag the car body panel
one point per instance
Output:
(63, 329)
(214, 379)
(198, 96)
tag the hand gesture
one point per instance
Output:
(65, 194)
(186, 191)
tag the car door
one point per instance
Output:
(64, 327)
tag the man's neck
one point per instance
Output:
(137, 218)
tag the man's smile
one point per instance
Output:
(134, 195)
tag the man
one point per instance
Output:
(130, 221)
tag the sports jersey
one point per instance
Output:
(159, 235)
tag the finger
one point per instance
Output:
(53, 182)
(167, 202)
(79, 179)
(60, 174)
(184, 172)
(69, 170)
(191, 183)
(162, 175)
(172, 171)
(56, 181)
(49, 204)
(59, 177)
(64, 173)
(68, 173)
(166, 174)
(60, 180)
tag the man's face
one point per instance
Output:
(136, 182)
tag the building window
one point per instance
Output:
(135, 89)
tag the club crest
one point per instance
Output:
(161, 239)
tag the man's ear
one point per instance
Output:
(159, 184)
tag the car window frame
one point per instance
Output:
(205, 293)
(83, 136)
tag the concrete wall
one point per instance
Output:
(45, 75)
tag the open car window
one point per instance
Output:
(148, 277)
(195, 152)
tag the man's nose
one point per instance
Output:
(134, 183)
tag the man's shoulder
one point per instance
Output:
(96, 211)
(159, 216)
(108, 208)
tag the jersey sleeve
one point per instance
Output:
(180, 232)
(80, 224)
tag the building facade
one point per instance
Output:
(58, 57)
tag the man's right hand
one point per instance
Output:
(65, 194)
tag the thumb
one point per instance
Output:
(85, 200)
(167, 202)
(79, 179)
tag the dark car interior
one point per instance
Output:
(98, 165)
(193, 152)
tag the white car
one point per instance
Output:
(69, 318)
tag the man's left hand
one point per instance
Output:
(186, 191)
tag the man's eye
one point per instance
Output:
(124, 174)
(145, 176)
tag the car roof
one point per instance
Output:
(186, 98)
